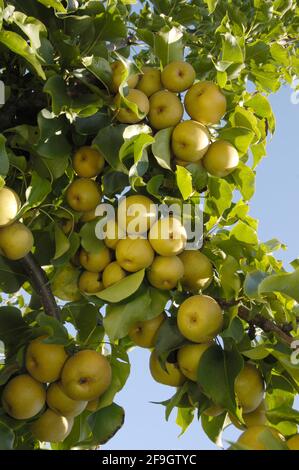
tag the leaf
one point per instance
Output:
(4, 161)
(38, 190)
(19, 46)
(252, 282)
(212, 4)
(184, 181)
(105, 423)
(213, 427)
(7, 437)
(123, 288)
(56, 4)
(12, 277)
(225, 365)
(229, 278)
(286, 283)
(89, 240)
(162, 147)
(184, 418)
(62, 243)
(244, 178)
(57, 332)
(167, 44)
(87, 320)
(257, 353)
(244, 234)
(199, 176)
(260, 105)
(109, 141)
(240, 137)
(13, 328)
(100, 68)
(221, 195)
(231, 50)
(283, 413)
(169, 338)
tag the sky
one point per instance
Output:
(274, 204)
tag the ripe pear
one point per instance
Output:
(165, 272)
(90, 283)
(249, 388)
(178, 76)
(44, 361)
(293, 442)
(88, 162)
(127, 115)
(113, 234)
(190, 141)
(168, 236)
(136, 214)
(86, 375)
(65, 283)
(63, 405)
(257, 417)
(189, 357)
(83, 195)
(198, 270)
(16, 241)
(133, 255)
(204, 102)
(150, 81)
(51, 427)
(95, 262)
(144, 333)
(221, 159)
(10, 205)
(112, 274)
(252, 438)
(118, 70)
(88, 216)
(200, 318)
(23, 397)
(172, 376)
(166, 110)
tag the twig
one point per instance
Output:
(40, 284)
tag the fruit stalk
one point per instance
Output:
(40, 283)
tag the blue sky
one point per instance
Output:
(275, 205)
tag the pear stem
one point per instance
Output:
(40, 283)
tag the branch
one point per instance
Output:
(40, 284)
(268, 326)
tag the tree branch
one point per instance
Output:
(40, 283)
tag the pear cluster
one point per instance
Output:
(156, 96)
(16, 240)
(55, 388)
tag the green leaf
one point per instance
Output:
(120, 366)
(169, 338)
(212, 4)
(244, 234)
(184, 181)
(257, 353)
(109, 141)
(38, 190)
(105, 423)
(87, 320)
(213, 427)
(240, 137)
(167, 44)
(286, 283)
(7, 437)
(57, 332)
(252, 282)
(89, 241)
(184, 418)
(225, 365)
(229, 278)
(13, 328)
(162, 147)
(12, 277)
(221, 195)
(122, 289)
(283, 413)
(199, 176)
(260, 105)
(244, 178)
(231, 50)
(56, 4)
(4, 161)
(62, 243)
(100, 68)
(19, 46)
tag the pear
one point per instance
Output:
(144, 333)
(16, 241)
(198, 270)
(112, 274)
(51, 427)
(166, 110)
(88, 162)
(168, 236)
(23, 397)
(134, 254)
(249, 388)
(10, 205)
(165, 272)
(95, 262)
(83, 195)
(172, 376)
(63, 405)
(178, 76)
(44, 361)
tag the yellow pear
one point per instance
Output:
(221, 159)
(112, 274)
(144, 333)
(198, 270)
(249, 388)
(293, 442)
(178, 76)
(86, 375)
(16, 241)
(113, 233)
(63, 405)
(204, 102)
(118, 70)
(65, 283)
(257, 417)
(189, 357)
(88, 216)
(51, 427)
(88, 162)
(214, 410)
(253, 437)
(44, 361)
(127, 115)
(90, 283)
(23, 397)
(168, 236)
(166, 110)
(10, 205)
(83, 195)
(172, 376)
(200, 318)
(165, 272)
(95, 262)
(190, 141)
(133, 255)
(150, 81)
(136, 214)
